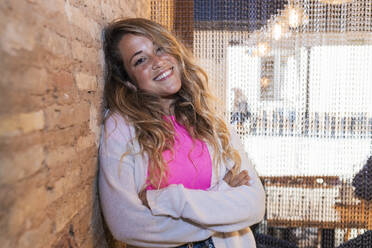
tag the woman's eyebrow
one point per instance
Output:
(135, 54)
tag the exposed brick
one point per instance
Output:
(109, 11)
(93, 123)
(84, 53)
(84, 142)
(63, 81)
(7, 198)
(92, 9)
(86, 82)
(66, 183)
(60, 155)
(64, 89)
(51, 89)
(89, 242)
(31, 203)
(81, 225)
(70, 206)
(30, 79)
(9, 125)
(62, 179)
(15, 101)
(51, 139)
(55, 43)
(38, 236)
(77, 17)
(7, 243)
(20, 10)
(21, 164)
(66, 115)
(31, 121)
(89, 171)
(21, 123)
(18, 36)
(64, 137)
(65, 241)
(65, 173)
(141, 8)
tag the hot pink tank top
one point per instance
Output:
(192, 169)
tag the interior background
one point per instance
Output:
(294, 78)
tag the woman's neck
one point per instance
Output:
(166, 103)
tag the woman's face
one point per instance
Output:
(149, 66)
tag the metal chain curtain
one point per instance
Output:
(295, 78)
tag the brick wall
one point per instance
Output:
(50, 111)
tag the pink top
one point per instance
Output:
(191, 169)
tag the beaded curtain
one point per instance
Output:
(295, 79)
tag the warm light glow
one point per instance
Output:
(264, 82)
(335, 1)
(305, 19)
(262, 49)
(294, 16)
(277, 31)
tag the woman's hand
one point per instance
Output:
(238, 180)
(143, 198)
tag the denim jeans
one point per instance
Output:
(208, 243)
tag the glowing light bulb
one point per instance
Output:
(262, 49)
(305, 19)
(265, 82)
(277, 31)
(294, 17)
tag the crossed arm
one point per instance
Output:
(175, 215)
(234, 181)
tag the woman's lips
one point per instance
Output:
(164, 75)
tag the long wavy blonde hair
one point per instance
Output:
(192, 105)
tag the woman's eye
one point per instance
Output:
(159, 49)
(139, 61)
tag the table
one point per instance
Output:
(324, 202)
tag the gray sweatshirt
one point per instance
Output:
(177, 215)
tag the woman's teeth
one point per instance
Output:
(163, 75)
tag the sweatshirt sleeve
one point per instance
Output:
(127, 218)
(226, 210)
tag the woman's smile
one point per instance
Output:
(149, 66)
(164, 75)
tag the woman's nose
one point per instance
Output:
(157, 62)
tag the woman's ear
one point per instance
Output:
(130, 86)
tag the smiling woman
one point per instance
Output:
(150, 66)
(171, 173)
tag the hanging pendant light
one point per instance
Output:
(263, 49)
(295, 16)
(279, 29)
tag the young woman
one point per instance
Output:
(171, 173)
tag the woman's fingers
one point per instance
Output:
(143, 198)
(241, 179)
(228, 177)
